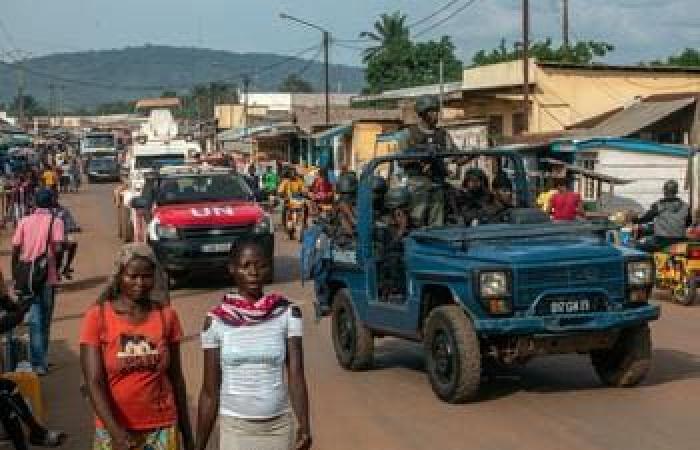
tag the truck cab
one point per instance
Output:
(194, 215)
(478, 290)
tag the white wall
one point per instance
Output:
(649, 172)
(285, 101)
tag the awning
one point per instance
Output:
(588, 173)
(636, 117)
(326, 137)
(621, 144)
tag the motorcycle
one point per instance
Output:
(295, 216)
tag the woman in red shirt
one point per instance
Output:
(130, 354)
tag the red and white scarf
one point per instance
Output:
(238, 311)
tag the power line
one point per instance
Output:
(444, 7)
(452, 15)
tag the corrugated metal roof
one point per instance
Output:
(622, 144)
(327, 135)
(636, 117)
(165, 102)
(412, 92)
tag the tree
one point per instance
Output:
(168, 94)
(582, 52)
(389, 30)
(405, 64)
(294, 83)
(689, 57)
(30, 106)
(118, 107)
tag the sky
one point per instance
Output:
(640, 29)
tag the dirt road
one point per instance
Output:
(553, 403)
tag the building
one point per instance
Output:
(563, 95)
(158, 103)
(289, 101)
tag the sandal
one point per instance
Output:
(51, 438)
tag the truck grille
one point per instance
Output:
(214, 232)
(532, 281)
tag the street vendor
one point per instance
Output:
(670, 217)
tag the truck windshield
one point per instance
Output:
(157, 161)
(105, 162)
(199, 188)
(99, 141)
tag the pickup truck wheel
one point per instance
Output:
(453, 355)
(126, 226)
(628, 361)
(686, 294)
(352, 341)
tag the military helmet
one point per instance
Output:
(398, 197)
(671, 188)
(427, 103)
(347, 183)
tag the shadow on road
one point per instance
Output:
(66, 408)
(79, 285)
(286, 269)
(670, 365)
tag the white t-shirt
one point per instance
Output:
(253, 359)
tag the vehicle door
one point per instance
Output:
(385, 277)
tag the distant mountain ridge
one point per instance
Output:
(86, 79)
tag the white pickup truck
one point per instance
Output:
(156, 145)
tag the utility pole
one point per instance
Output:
(52, 103)
(526, 65)
(565, 23)
(61, 92)
(442, 87)
(246, 89)
(326, 44)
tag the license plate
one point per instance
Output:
(216, 248)
(570, 306)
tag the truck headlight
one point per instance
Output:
(493, 284)
(494, 288)
(166, 231)
(640, 273)
(264, 226)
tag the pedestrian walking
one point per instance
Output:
(70, 246)
(253, 364)
(36, 248)
(130, 356)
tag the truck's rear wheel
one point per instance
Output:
(627, 363)
(126, 226)
(453, 354)
(352, 341)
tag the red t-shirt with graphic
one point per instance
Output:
(136, 360)
(565, 205)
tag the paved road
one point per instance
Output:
(553, 403)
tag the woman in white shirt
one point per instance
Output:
(250, 341)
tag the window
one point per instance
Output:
(519, 123)
(589, 185)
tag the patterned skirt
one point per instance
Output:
(158, 439)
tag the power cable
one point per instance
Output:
(444, 7)
(445, 19)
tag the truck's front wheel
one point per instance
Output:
(453, 355)
(352, 341)
(627, 363)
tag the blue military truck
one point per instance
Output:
(479, 294)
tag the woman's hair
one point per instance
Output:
(241, 244)
(114, 287)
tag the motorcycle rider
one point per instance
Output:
(321, 190)
(270, 180)
(291, 186)
(670, 217)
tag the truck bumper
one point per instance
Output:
(190, 256)
(595, 322)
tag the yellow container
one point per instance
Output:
(30, 387)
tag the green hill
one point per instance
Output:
(94, 77)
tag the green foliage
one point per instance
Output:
(119, 107)
(294, 83)
(30, 105)
(581, 52)
(689, 57)
(388, 31)
(398, 62)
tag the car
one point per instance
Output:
(485, 294)
(194, 215)
(102, 168)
